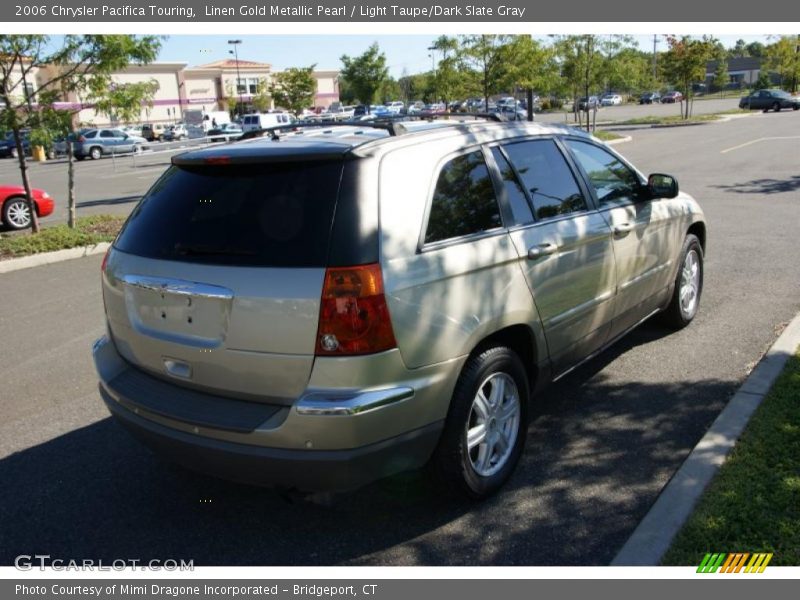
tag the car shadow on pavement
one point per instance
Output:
(598, 453)
(764, 186)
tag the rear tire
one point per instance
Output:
(776, 107)
(96, 153)
(688, 285)
(484, 433)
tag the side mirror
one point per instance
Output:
(662, 186)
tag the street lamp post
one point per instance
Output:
(235, 53)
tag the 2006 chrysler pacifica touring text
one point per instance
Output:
(325, 307)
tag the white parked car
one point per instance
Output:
(611, 100)
(396, 107)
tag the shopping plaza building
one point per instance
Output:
(221, 85)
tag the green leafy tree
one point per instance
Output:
(419, 86)
(262, 99)
(755, 49)
(447, 77)
(721, 77)
(365, 73)
(228, 102)
(763, 81)
(629, 69)
(77, 65)
(489, 57)
(123, 101)
(294, 88)
(739, 49)
(390, 90)
(532, 66)
(783, 58)
(588, 62)
(685, 63)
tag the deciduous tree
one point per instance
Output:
(34, 75)
(365, 73)
(294, 88)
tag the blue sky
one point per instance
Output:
(402, 51)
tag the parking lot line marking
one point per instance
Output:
(764, 139)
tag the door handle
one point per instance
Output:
(545, 249)
(623, 228)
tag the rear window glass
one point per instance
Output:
(270, 215)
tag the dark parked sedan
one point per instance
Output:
(592, 103)
(770, 100)
(8, 145)
(649, 98)
(672, 97)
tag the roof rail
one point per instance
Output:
(387, 123)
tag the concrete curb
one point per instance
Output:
(46, 258)
(654, 535)
(621, 140)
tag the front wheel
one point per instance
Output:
(688, 285)
(484, 433)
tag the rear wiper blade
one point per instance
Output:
(201, 250)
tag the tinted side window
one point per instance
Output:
(613, 181)
(463, 201)
(520, 208)
(547, 177)
(91, 134)
(106, 134)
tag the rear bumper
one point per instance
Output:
(306, 470)
(326, 441)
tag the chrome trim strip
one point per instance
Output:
(323, 404)
(178, 286)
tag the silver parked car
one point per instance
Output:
(95, 143)
(340, 304)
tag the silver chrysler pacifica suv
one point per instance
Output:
(324, 307)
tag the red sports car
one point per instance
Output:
(15, 210)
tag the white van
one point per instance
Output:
(264, 120)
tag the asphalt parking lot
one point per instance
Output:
(601, 446)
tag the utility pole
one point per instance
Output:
(655, 60)
(235, 44)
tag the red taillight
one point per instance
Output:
(218, 160)
(105, 260)
(353, 315)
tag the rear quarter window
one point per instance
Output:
(270, 215)
(464, 200)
